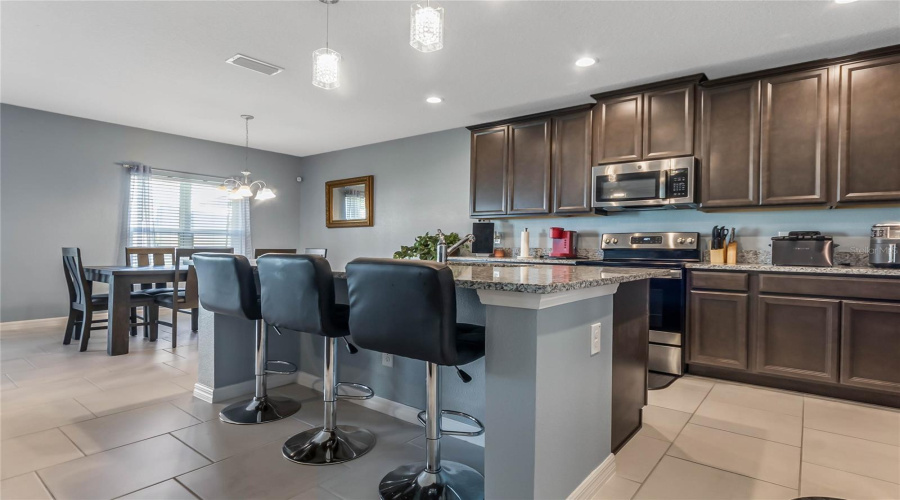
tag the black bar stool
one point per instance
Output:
(227, 286)
(298, 294)
(408, 308)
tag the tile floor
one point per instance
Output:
(87, 426)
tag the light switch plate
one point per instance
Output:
(595, 339)
(387, 360)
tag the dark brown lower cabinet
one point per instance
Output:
(798, 337)
(870, 345)
(718, 333)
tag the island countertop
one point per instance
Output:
(541, 278)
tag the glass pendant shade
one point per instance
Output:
(426, 27)
(326, 68)
(264, 194)
(244, 191)
(234, 195)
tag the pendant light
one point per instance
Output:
(426, 26)
(326, 62)
(241, 188)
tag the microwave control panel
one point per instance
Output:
(677, 183)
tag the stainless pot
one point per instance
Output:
(884, 245)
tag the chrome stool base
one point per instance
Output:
(412, 482)
(320, 447)
(259, 410)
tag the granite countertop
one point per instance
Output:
(541, 279)
(846, 270)
(473, 259)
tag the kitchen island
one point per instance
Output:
(558, 338)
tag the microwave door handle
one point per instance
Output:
(663, 178)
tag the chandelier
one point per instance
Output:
(242, 187)
(426, 26)
(326, 62)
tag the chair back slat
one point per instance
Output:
(79, 287)
(190, 284)
(143, 255)
(259, 252)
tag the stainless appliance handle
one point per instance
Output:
(663, 178)
(674, 274)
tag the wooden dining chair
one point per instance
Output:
(187, 299)
(83, 304)
(321, 252)
(262, 251)
(148, 256)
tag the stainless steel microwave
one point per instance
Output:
(645, 185)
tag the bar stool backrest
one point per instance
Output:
(297, 293)
(190, 284)
(403, 307)
(226, 285)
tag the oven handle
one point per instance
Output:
(674, 274)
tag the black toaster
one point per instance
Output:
(803, 248)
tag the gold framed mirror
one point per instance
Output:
(349, 202)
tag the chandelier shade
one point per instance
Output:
(326, 68)
(426, 26)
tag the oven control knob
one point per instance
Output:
(690, 240)
(615, 241)
(680, 240)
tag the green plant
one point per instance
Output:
(425, 247)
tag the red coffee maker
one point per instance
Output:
(563, 243)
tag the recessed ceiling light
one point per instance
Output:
(584, 62)
(844, 1)
(434, 100)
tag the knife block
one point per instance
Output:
(731, 253)
(717, 256)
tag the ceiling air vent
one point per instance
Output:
(255, 65)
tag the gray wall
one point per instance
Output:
(59, 187)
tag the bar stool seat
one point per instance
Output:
(226, 285)
(408, 308)
(298, 294)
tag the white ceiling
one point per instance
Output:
(160, 65)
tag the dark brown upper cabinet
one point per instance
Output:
(571, 165)
(793, 137)
(869, 131)
(798, 337)
(669, 122)
(729, 145)
(619, 133)
(529, 167)
(488, 171)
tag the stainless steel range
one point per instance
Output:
(667, 295)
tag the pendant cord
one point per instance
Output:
(326, 24)
(246, 144)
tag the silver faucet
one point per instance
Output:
(443, 251)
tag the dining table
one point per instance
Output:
(120, 280)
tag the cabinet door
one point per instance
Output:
(870, 345)
(869, 128)
(529, 167)
(729, 146)
(793, 138)
(798, 337)
(487, 183)
(572, 163)
(617, 129)
(718, 334)
(669, 122)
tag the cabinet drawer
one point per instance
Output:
(720, 280)
(827, 286)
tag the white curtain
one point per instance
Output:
(140, 224)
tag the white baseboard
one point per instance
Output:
(219, 394)
(595, 480)
(395, 409)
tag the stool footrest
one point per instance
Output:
(292, 368)
(369, 392)
(480, 431)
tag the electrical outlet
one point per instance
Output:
(387, 360)
(595, 339)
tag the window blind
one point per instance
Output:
(167, 211)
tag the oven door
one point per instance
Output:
(632, 189)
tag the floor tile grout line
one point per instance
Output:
(192, 492)
(745, 435)
(849, 436)
(46, 488)
(735, 473)
(851, 473)
(847, 471)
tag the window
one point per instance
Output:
(354, 204)
(166, 211)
